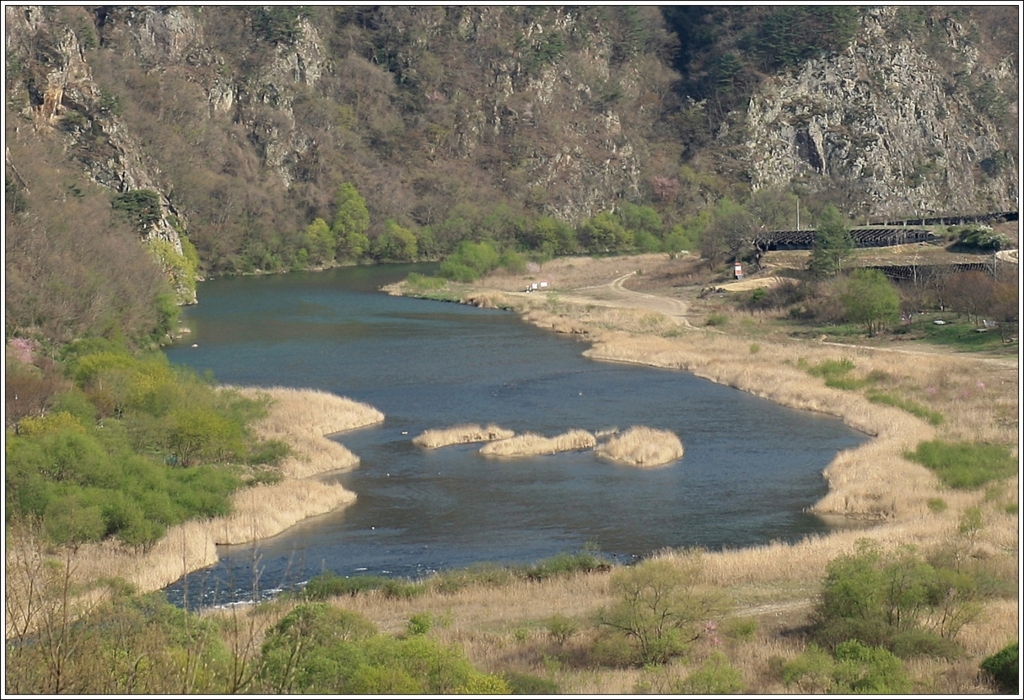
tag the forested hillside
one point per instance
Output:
(277, 138)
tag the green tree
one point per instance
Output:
(729, 232)
(1003, 667)
(640, 219)
(551, 237)
(604, 233)
(319, 242)
(470, 261)
(871, 299)
(659, 609)
(395, 244)
(833, 244)
(351, 220)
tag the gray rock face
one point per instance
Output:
(886, 123)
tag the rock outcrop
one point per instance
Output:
(885, 123)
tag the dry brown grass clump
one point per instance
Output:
(459, 434)
(532, 444)
(643, 447)
(304, 418)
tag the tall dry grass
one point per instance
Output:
(532, 444)
(459, 434)
(642, 447)
(304, 418)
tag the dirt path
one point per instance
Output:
(673, 308)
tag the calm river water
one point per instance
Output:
(750, 467)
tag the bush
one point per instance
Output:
(329, 584)
(900, 602)
(455, 580)
(419, 624)
(527, 684)
(965, 465)
(716, 676)
(980, 238)
(854, 668)
(658, 611)
(566, 565)
(320, 649)
(424, 283)
(835, 372)
(868, 670)
(1003, 667)
(470, 261)
(561, 628)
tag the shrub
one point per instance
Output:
(918, 642)
(1003, 667)
(869, 670)
(854, 668)
(566, 565)
(978, 237)
(835, 373)
(965, 465)
(470, 261)
(716, 676)
(716, 320)
(455, 580)
(329, 584)
(901, 602)
(741, 629)
(527, 684)
(419, 624)
(658, 610)
(811, 671)
(561, 628)
(424, 283)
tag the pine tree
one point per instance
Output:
(833, 244)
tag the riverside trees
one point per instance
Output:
(128, 447)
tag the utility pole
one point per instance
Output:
(797, 213)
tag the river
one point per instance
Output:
(750, 468)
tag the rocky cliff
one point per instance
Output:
(891, 128)
(246, 120)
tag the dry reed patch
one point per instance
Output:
(304, 418)
(459, 434)
(532, 444)
(643, 447)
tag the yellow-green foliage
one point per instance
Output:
(181, 267)
(317, 648)
(52, 423)
(148, 446)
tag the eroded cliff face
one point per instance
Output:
(890, 126)
(65, 102)
(246, 124)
